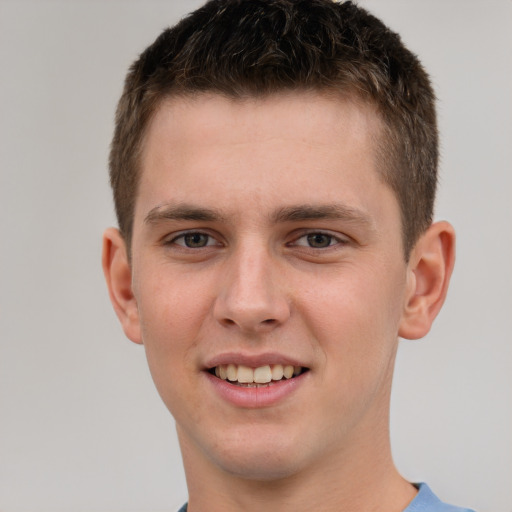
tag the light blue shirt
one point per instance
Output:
(425, 501)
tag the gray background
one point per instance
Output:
(81, 427)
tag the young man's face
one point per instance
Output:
(264, 237)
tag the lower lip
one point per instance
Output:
(257, 397)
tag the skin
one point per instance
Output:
(302, 258)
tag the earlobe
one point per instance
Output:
(118, 275)
(430, 268)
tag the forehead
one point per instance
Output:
(295, 114)
(287, 146)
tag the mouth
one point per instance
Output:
(262, 376)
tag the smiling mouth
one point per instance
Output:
(245, 376)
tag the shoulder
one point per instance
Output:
(427, 501)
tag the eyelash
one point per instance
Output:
(329, 236)
(183, 236)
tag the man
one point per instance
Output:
(274, 171)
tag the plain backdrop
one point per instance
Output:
(81, 426)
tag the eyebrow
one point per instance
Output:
(333, 211)
(182, 212)
(297, 213)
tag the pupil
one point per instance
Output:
(195, 240)
(319, 240)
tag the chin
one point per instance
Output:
(260, 467)
(260, 457)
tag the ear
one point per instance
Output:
(429, 270)
(118, 274)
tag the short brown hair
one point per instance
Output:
(243, 48)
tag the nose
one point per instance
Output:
(251, 296)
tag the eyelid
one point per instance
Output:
(337, 237)
(173, 237)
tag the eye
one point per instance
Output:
(318, 240)
(194, 240)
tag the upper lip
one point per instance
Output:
(252, 360)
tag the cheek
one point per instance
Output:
(171, 314)
(354, 318)
(171, 306)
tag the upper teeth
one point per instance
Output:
(260, 375)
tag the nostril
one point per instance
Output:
(268, 322)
